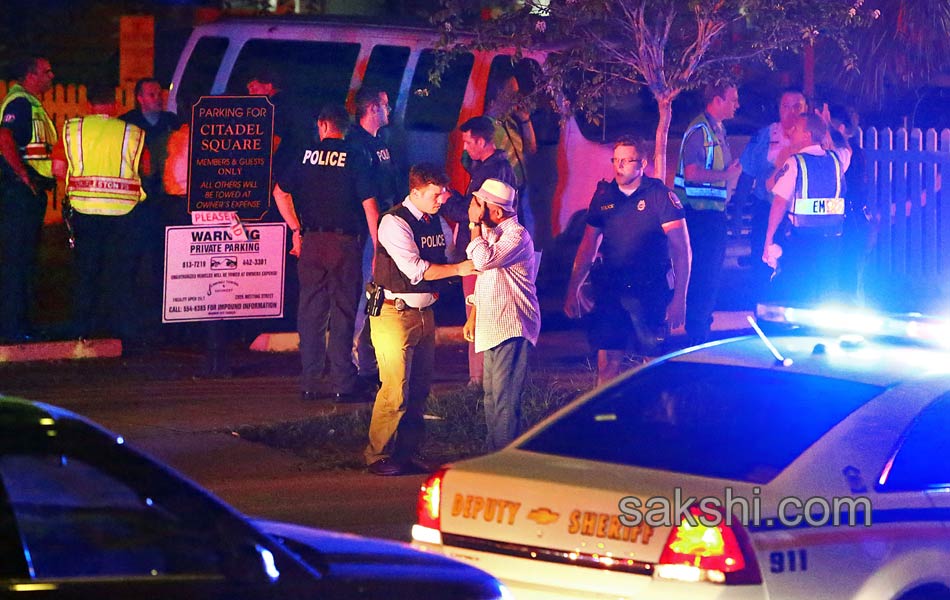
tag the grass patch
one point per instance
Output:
(455, 423)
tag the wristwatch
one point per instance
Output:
(472, 225)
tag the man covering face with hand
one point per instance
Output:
(505, 319)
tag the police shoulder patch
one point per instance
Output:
(9, 118)
(675, 200)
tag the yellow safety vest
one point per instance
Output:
(103, 155)
(702, 196)
(37, 152)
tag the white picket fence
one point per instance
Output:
(905, 171)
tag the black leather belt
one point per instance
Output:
(400, 304)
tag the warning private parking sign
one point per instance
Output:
(210, 275)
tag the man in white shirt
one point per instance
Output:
(505, 317)
(414, 250)
(802, 242)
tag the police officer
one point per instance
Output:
(99, 158)
(808, 211)
(767, 151)
(150, 256)
(326, 197)
(645, 244)
(372, 115)
(415, 249)
(705, 175)
(27, 136)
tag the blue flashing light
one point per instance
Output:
(838, 319)
(915, 327)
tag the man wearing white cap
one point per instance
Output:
(505, 315)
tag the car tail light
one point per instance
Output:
(430, 498)
(428, 511)
(720, 553)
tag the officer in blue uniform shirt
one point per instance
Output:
(639, 287)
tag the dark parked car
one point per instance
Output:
(83, 515)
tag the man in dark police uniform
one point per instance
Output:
(372, 115)
(326, 196)
(639, 288)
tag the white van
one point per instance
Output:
(326, 61)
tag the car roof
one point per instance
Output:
(877, 362)
(20, 415)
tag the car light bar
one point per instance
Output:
(912, 326)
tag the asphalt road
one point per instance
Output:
(160, 405)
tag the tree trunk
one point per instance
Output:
(665, 107)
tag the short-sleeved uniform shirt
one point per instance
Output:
(382, 165)
(694, 146)
(18, 118)
(634, 246)
(329, 182)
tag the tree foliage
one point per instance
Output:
(905, 46)
(606, 47)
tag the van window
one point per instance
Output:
(310, 73)
(202, 66)
(544, 118)
(385, 69)
(627, 114)
(436, 107)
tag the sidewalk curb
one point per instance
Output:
(70, 349)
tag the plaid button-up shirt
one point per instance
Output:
(505, 298)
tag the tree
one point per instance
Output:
(668, 46)
(905, 46)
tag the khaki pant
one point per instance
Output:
(405, 350)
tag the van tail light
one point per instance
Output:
(428, 506)
(719, 554)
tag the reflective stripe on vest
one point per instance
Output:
(103, 155)
(702, 196)
(817, 211)
(37, 151)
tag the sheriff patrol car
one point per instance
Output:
(806, 464)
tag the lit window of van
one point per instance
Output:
(325, 61)
(319, 61)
